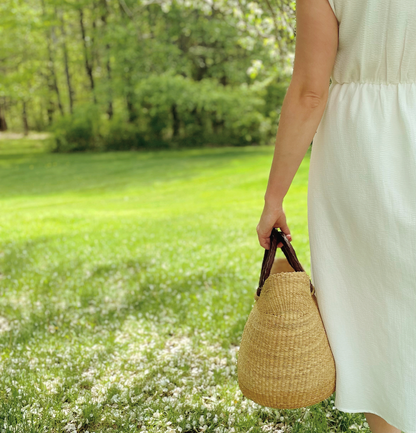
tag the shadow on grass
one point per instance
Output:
(115, 291)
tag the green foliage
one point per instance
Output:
(118, 134)
(79, 131)
(59, 56)
(176, 111)
(274, 93)
(188, 112)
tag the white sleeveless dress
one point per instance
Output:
(362, 210)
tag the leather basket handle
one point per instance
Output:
(277, 236)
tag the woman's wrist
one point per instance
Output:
(273, 201)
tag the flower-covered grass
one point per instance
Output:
(126, 280)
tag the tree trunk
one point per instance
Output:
(130, 106)
(88, 65)
(52, 82)
(24, 118)
(53, 73)
(110, 110)
(104, 16)
(126, 14)
(66, 62)
(176, 122)
(3, 123)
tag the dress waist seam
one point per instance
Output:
(384, 83)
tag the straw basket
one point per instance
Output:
(285, 360)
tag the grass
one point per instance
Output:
(126, 280)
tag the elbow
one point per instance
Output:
(309, 94)
(313, 99)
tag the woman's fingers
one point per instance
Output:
(264, 237)
(271, 218)
(284, 228)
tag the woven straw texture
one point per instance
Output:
(285, 360)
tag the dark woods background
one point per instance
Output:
(125, 74)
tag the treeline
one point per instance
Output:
(125, 74)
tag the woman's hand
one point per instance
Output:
(272, 216)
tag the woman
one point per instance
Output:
(361, 194)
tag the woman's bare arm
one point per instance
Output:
(303, 106)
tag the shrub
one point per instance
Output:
(78, 131)
(118, 134)
(182, 111)
(175, 111)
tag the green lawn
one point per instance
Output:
(126, 280)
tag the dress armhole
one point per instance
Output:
(332, 4)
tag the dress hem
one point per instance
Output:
(374, 413)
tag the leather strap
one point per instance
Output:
(277, 236)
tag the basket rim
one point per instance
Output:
(296, 274)
(303, 278)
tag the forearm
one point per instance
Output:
(299, 119)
